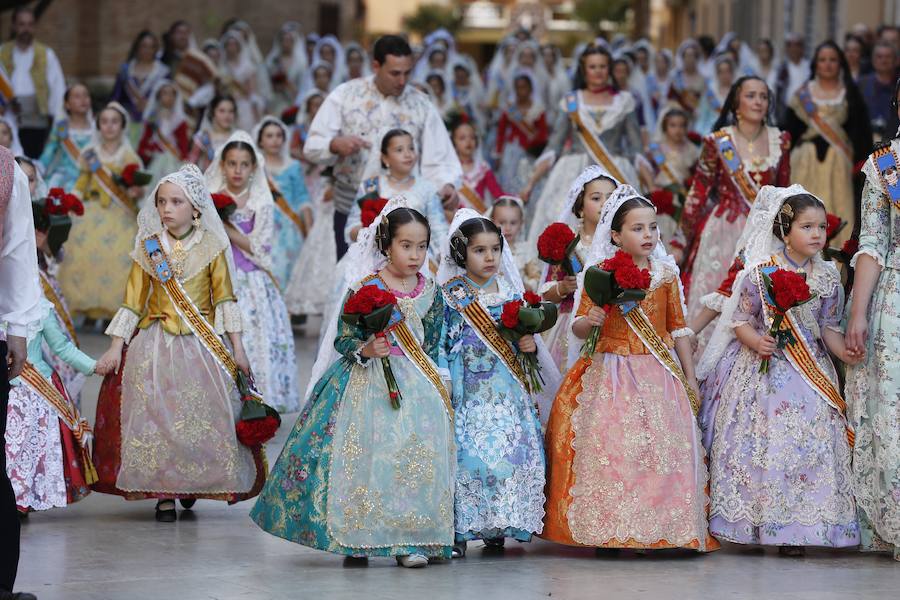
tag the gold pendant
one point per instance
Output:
(178, 257)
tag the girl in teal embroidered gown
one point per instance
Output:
(357, 476)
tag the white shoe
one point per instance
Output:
(412, 561)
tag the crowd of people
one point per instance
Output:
(723, 388)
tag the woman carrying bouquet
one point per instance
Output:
(625, 460)
(780, 441)
(361, 475)
(166, 415)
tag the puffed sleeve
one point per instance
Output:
(749, 308)
(227, 313)
(350, 340)
(875, 228)
(585, 306)
(137, 290)
(675, 323)
(433, 323)
(704, 180)
(62, 347)
(832, 309)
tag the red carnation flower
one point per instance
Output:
(370, 209)
(833, 223)
(367, 299)
(510, 315)
(128, 173)
(553, 243)
(694, 137)
(790, 288)
(56, 192)
(531, 298)
(73, 204)
(664, 201)
(255, 432)
(850, 247)
(626, 273)
(222, 200)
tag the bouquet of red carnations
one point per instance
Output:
(556, 246)
(784, 290)
(133, 176)
(225, 206)
(528, 316)
(258, 421)
(370, 207)
(616, 281)
(375, 311)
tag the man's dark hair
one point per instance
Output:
(390, 44)
(23, 9)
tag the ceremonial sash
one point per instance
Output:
(735, 167)
(207, 145)
(62, 132)
(659, 159)
(641, 326)
(6, 90)
(413, 350)
(167, 145)
(802, 358)
(106, 181)
(713, 100)
(473, 199)
(282, 204)
(885, 162)
(678, 90)
(460, 296)
(67, 413)
(821, 125)
(517, 120)
(591, 142)
(189, 312)
(371, 185)
(56, 301)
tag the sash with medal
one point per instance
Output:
(735, 167)
(713, 100)
(67, 413)
(189, 312)
(659, 160)
(591, 142)
(51, 295)
(640, 324)
(282, 204)
(166, 143)
(802, 358)
(207, 146)
(885, 162)
(821, 125)
(412, 349)
(517, 120)
(475, 201)
(461, 296)
(107, 181)
(62, 132)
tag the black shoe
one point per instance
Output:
(459, 550)
(792, 551)
(188, 503)
(354, 562)
(495, 544)
(167, 515)
(4, 595)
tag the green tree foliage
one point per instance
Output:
(429, 17)
(592, 12)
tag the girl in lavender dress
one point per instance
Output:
(779, 442)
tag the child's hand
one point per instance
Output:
(695, 343)
(243, 363)
(377, 348)
(765, 346)
(567, 286)
(596, 316)
(109, 362)
(853, 357)
(527, 344)
(135, 192)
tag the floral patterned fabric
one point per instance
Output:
(357, 476)
(287, 240)
(779, 456)
(60, 169)
(500, 454)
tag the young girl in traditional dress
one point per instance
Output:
(581, 212)
(215, 130)
(479, 185)
(285, 177)
(521, 133)
(625, 461)
(508, 213)
(97, 266)
(351, 449)
(286, 64)
(166, 420)
(830, 133)
(716, 92)
(741, 155)
(69, 137)
(608, 135)
(873, 390)
(318, 257)
(166, 139)
(239, 171)
(781, 443)
(500, 454)
(687, 85)
(240, 77)
(398, 165)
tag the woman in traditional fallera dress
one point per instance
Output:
(715, 95)
(97, 266)
(239, 171)
(830, 135)
(780, 442)
(521, 133)
(873, 387)
(70, 135)
(687, 84)
(137, 79)
(166, 419)
(743, 154)
(240, 78)
(500, 455)
(625, 462)
(286, 178)
(607, 115)
(166, 139)
(286, 64)
(357, 476)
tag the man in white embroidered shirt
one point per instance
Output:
(20, 294)
(37, 82)
(347, 129)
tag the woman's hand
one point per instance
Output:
(527, 344)
(596, 316)
(857, 333)
(765, 346)
(377, 348)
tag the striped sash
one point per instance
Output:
(475, 201)
(735, 167)
(821, 125)
(591, 142)
(107, 181)
(283, 205)
(62, 132)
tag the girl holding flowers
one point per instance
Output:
(625, 460)
(361, 475)
(780, 442)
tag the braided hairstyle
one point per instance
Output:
(387, 228)
(790, 210)
(459, 241)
